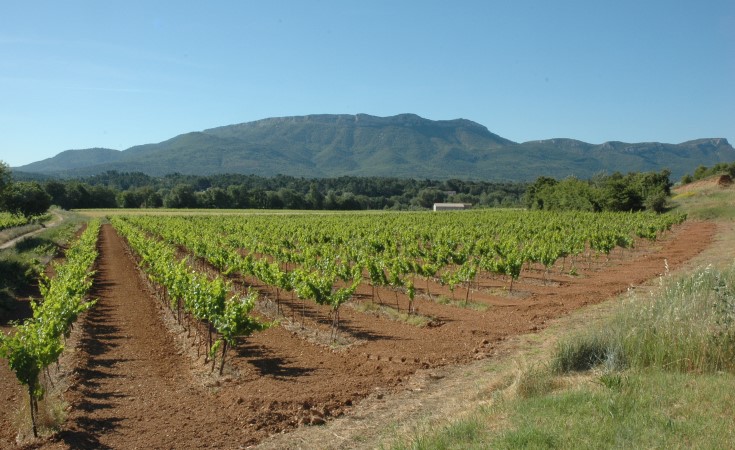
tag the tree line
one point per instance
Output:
(635, 191)
(136, 190)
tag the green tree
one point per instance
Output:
(533, 199)
(315, 198)
(181, 196)
(5, 177)
(427, 197)
(26, 198)
(617, 194)
(240, 196)
(58, 192)
(214, 197)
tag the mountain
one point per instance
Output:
(405, 145)
(73, 159)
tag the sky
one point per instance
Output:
(81, 74)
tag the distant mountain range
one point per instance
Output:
(405, 145)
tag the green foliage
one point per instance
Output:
(5, 178)
(181, 196)
(26, 198)
(8, 220)
(616, 192)
(38, 342)
(76, 194)
(136, 190)
(322, 258)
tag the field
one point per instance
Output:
(361, 307)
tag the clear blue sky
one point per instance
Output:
(80, 74)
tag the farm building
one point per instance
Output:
(451, 206)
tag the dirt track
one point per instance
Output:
(137, 385)
(57, 219)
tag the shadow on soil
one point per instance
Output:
(268, 365)
(98, 339)
(86, 436)
(38, 245)
(17, 284)
(294, 310)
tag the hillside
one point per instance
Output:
(405, 145)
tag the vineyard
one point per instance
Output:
(275, 321)
(324, 259)
(8, 220)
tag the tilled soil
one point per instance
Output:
(140, 385)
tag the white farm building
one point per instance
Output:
(451, 206)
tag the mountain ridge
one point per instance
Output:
(405, 145)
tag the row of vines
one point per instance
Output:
(38, 342)
(192, 296)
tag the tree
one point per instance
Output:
(5, 177)
(181, 196)
(618, 194)
(58, 192)
(315, 198)
(532, 198)
(214, 197)
(239, 195)
(26, 198)
(129, 199)
(291, 199)
(427, 197)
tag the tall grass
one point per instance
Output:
(688, 325)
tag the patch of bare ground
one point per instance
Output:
(721, 181)
(136, 385)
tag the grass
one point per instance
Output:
(52, 412)
(709, 203)
(467, 434)
(24, 226)
(391, 313)
(644, 409)
(460, 303)
(21, 264)
(688, 326)
(652, 408)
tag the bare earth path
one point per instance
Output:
(57, 219)
(135, 388)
